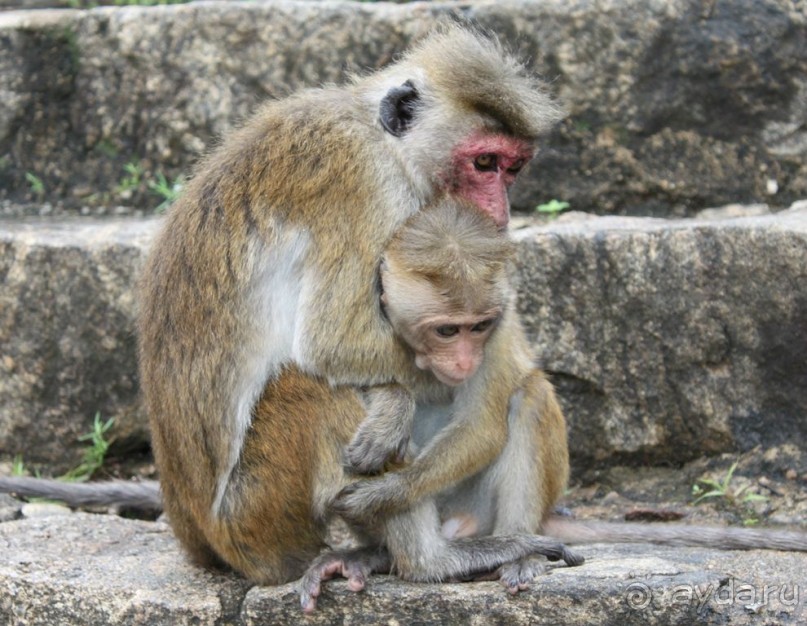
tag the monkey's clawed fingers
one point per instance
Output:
(518, 575)
(368, 455)
(366, 500)
(355, 565)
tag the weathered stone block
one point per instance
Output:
(67, 342)
(671, 339)
(673, 105)
(91, 569)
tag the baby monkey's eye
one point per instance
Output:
(482, 326)
(449, 330)
(485, 162)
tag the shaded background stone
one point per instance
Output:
(673, 106)
(67, 341)
(671, 339)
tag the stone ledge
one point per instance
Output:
(97, 570)
(671, 339)
(67, 343)
(667, 339)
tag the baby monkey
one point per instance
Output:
(444, 289)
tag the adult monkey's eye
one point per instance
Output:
(449, 330)
(485, 162)
(515, 168)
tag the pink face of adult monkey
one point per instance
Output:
(485, 166)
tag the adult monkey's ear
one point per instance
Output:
(398, 108)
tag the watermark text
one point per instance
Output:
(782, 596)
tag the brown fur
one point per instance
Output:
(552, 460)
(474, 69)
(279, 529)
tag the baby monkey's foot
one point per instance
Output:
(519, 575)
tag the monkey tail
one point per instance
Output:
(142, 495)
(720, 537)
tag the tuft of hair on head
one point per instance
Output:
(454, 246)
(482, 76)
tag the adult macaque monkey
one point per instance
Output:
(265, 273)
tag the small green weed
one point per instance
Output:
(132, 180)
(553, 208)
(17, 466)
(35, 183)
(167, 191)
(724, 489)
(94, 453)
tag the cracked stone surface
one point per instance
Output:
(94, 570)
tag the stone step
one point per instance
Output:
(666, 339)
(99, 570)
(67, 343)
(671, 339)
(673, 106)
